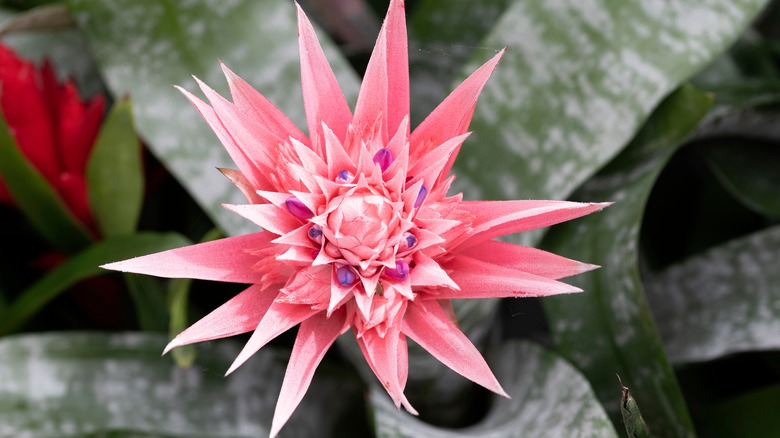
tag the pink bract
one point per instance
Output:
(359, 232)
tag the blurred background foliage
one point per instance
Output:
(670, 109)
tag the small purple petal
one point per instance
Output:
(345, 275)
(420, 196)
(315, 234)
(401, 271)
(409, 240)
(344, 176)
(297, 208)
(383, 158)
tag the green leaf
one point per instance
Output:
(608, 328)
(721, 302)
(89, 384)
(178, 300)
(36, 198)
(150, 304)
(577, 82)
(632, 417)
(443, 35)
(549, 398)
(749, 171)
(144, 47)
(115, 179)
(83, 265)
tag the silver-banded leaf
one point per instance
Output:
(609, 328)
(549, 399)
(443, 35)
(115, 178)
(144, 47)
(90, 384)
(577, 82)
(724, 301)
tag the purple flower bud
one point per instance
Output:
(315, 234)
(345, 275)
(345, 176)
(297, 208)
(420, 196)
(401, 271)
(408, 241)
(383, 158)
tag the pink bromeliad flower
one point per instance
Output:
(359, 232)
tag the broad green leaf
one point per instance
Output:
(443, 35)
(749, 170)
(37, 199)
(720, 302)
(144, 47)
(148, 296)
(89, 384)
(608, 328)
(115, 178)
(83, 265)
(549, 399)
(577, 82)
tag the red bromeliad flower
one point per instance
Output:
(359, 230)
(52, 126)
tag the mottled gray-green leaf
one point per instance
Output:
(609, 328)
(443, 35)
(144, 47)
(78, 384)
(549, 399)
(724, 301)
(578, 80)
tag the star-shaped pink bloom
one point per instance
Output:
(359, 232)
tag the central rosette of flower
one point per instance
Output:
(364, 231)
(362, 227)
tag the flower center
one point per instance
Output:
(360, 226)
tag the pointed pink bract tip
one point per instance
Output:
(585, 267)
(171, 345)
(113, 266)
